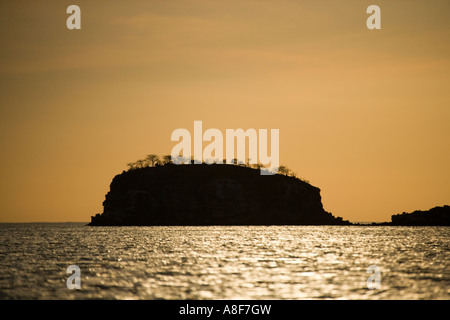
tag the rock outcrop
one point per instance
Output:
(216, 194)
(437, 216)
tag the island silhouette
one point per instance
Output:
(437, 216)
(155, 192)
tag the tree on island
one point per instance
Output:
(283, 170)
(153, 160)
(140, 164)
(132, 166)
(257, 166)
(167, 159)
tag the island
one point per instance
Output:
(165, 194)
(437, 216)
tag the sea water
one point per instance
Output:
(226, 262)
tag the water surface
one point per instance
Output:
(255, 262)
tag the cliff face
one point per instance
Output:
(210, 195)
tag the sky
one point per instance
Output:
(362, 114)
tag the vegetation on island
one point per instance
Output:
(153, 160)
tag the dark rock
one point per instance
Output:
(437, 216)
(214, 194)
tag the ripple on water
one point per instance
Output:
(278, 262)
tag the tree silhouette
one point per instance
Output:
(132, 165)
(257, 166)
(140, 164)
(283, 170)
(153, 160)
(167, 160)
(286, 171)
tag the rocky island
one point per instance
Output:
(216, 194)
(437, 216)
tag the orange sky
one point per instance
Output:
(363, 115)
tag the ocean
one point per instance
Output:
(226, 262)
